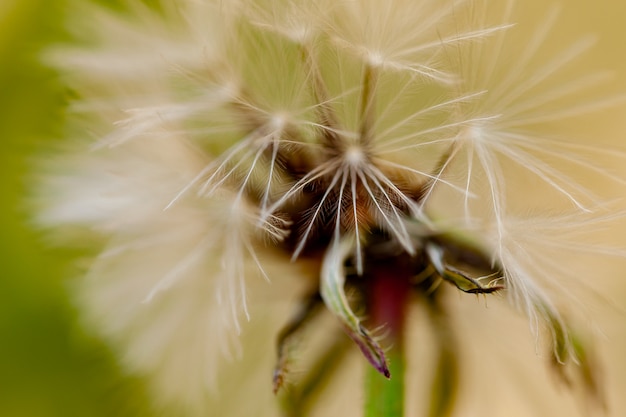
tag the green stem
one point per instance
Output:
(387, 304)
(367, 105)
(385, 398)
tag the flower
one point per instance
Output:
(321, 147)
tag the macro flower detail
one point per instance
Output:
(354, 156)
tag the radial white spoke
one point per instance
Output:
(435, 129)
(397, 227)
(537, 145)
(516, 111)
(437, 177)
(548, 174)
(359, 255)
(530, 49)
(383, 178)
(545, 72)
(179, 269)
(463, 37)
(243, 184)
(318, 208)
(266, 192)
(313, 175)
(425, 174)
(425, 111)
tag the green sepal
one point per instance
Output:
(333, 293)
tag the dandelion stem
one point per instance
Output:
(367, 105)
(388, 296)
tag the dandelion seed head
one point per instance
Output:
(335, 135)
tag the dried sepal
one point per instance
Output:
(456, 277)
(299, 399)
(307, 311)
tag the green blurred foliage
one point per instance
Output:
(49, 367)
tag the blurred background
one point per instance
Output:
(49, 365)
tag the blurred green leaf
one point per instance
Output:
(48, 366)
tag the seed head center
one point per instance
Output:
(355, 155)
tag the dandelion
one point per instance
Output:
(285, 158)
